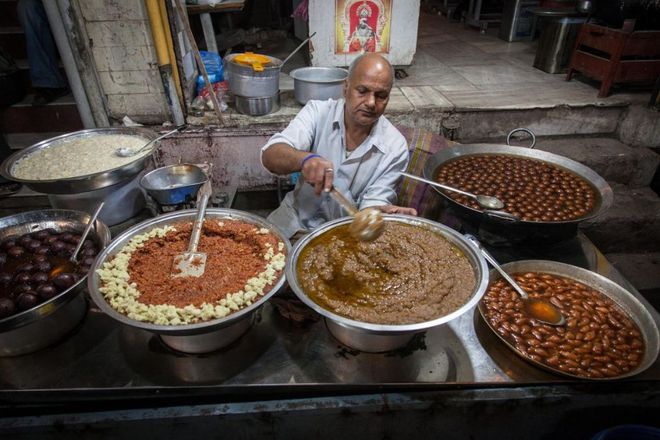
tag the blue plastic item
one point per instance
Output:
(214, 69)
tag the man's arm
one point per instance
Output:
(281, 158)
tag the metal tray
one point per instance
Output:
(90, 182)
(371, 337)
(602, 188)
(624, 299)
(188, 330)
(41, 325)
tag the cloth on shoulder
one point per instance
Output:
(422, 144)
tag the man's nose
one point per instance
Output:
(371, 100)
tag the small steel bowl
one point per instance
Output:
(46, 323)
(624, 299)
(201, 337)
(174, 184)
(376, 338)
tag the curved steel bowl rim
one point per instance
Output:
(477, 262)
(87, 182)
(606, 286)
(144, 179)
(93, 281)
(295, 74)
(603, 189)
(45, 308)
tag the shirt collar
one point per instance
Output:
(376, 131)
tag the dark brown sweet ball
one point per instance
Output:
(7, 307)
(27, 300)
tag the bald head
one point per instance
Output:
(372, 64)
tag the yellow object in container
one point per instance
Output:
(253, 59)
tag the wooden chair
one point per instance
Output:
(616, 55)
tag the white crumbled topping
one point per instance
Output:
(79, 156)
(124, 296)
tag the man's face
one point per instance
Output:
(367, 93)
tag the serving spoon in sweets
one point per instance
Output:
(128, 152)
(486, 202)
(538, 309)
(367, 224)
(92, 221)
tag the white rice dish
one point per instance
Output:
(77, 157)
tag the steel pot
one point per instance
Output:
(49, 321)
(491, 222)
(190, 338)
(624, 299)
(174, 184)
(318, 83)
(247, 82)
(257, 106)
(91, 182)
(375, 338)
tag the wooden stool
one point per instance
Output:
(616, 55)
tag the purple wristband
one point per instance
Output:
(309, 156)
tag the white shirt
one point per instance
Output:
(367, 176)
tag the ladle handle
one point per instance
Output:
(148, 144)
(472, 239)
(297, 49)
(436, 184)
(343, 201)
(202, 200)
(85, 233)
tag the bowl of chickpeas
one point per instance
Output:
(539, 190)
(609, 334)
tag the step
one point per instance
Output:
(12, 40)
(60, 115)
(632, 224)
(613, 160)
(8, 15)
(642, 270)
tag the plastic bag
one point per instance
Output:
(203, 100)
(213, 64)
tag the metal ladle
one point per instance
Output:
(128, 152)
(83, 237)
(538, 309)
(486, 202)
(367, 224)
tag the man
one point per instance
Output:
(49, 84)
(346, 143)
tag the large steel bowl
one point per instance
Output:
(518, 229)
(318, 83)
(174, 184)
(46, 323)
(376, 338)
(200, 337)
(624, 299)
(79, 184)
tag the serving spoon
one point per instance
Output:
(128, 152)
(538, 309)
(486, 202)
(367, 224)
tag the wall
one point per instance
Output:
(121, 44)
(403, 39)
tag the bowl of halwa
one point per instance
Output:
(81, 161)
(375, 296)
(132, 280)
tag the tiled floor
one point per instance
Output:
(456, 68)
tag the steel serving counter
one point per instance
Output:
(105, 373)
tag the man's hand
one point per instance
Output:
(319, 173)
(393, 209)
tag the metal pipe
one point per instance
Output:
(62, 41)
(165, 23)
(164, 62)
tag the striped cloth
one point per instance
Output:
(422, 144)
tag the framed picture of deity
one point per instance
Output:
(362, 26)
